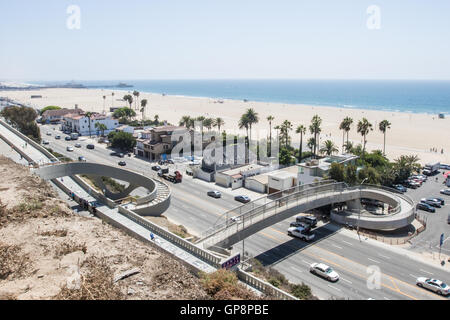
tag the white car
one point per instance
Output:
(324, 271)
(446, 192)
(49, 133)
(70, 149)
(301, 233)
(77, 145)
(45, 142)
(434, 285)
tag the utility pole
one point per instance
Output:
(360, 209)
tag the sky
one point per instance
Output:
(232, 39)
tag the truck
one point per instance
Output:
(431, 168)
(301, 233)
(175, 177)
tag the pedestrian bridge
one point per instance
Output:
(157, 195)
(262, 213)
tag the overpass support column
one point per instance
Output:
(354, 204)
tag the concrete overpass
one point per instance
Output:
(253, 218)
(154, 203)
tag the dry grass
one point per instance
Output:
(224, 285)
(69, 247)
(96, 283)
(54, 233)
(13, 264)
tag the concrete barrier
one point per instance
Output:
(18, 150)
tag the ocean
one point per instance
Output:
(431, 97)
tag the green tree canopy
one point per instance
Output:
(50, 108)
(122, 140)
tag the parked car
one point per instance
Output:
(301, 233)
(425, 207)
(235, 219)
(77, 145)
(400, 188)
(311, 220)
(324, 271)
(446, 192)
(442, 201)
(68, 138)
(49, 133)
(411, 184)
(243, 199)
(69, 148)
(45, 142)
(170, 161)
(434, 285)
(214, 194)
(58, 137)
(156, 168)
(90, 146)
(432, 202)
(121, 155)
(122, 163)
(82, 159)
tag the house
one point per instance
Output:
(56, 116)
(85, 126)
(320, 168)
(272, 181)
(156, 142)
(234, 178)
(126, 128)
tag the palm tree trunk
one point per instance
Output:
(300, 150)
(384, 145)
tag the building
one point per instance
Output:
(234, 178)
(56, 116)
(126, 128)
(156, 142)
(85, 126)
(274, 181)
(321, 167)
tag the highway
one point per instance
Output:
(339, 248)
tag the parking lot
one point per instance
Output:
(436, 222)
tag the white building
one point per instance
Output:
(79, 123)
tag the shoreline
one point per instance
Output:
(410, 133)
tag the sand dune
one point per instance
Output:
(410, 133)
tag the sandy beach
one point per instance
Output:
(410, 133)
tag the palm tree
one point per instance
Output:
(136, 94)
(315, 129)
(329, 148)
(156, 118)
(384, 125)
(104, 101)
(218, 122)
(143, 107)
(185, 121)
(89, 115)
(208, 123)
(252, 118)
(129, 99)
(270, 119)
(112, 100)
(286, 126)
(311, 143)
(101, 127)
(244, 123)
(301, 129)
(364, 127)
(278, 135)
(348, 147)
(345, 127)
(201, 119)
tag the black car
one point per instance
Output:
(214, 194)
(310, 220)
(156, 168)
(122, 163)
(90, 146)
(431, 202)
(425, 207)
(438, 199)
(243, 199)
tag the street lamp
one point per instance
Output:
(359, 215)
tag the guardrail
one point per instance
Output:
(182, 243)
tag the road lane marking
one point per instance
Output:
(395, 285)
(426, 271)
(373, 260)
(297, 270)
(386, 257)
(336, 246)
(346, 280)
(333, 287)
(350, 244)
(308, 263)
(415, 277)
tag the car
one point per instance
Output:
(297, 224)
(45, 142)
(235, 219)
(58, 137)
(431, 202)
(214, 194)
(49, 133)
(411, 184)
(90, 147)
(301, 233)
(324, 271)
(156, 168)
(433, 285)
(311, 220)
(77, 145)
(442, 201)
(68, 138)
(69, 148)
(400, 188)
(243, 199)
(425, 207)
(122, 163)
(446, 192)
(121, 155)
(170, 161)
(82, 159)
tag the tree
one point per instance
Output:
(337, 172)
(218, 122)
(270, 119)
(89, 115)
(364, 127)
(345, 126)
(122, 140)
(112, 101)
(301, 129)
(384, 126)
(311, 144)
(101, 127)
(351, 177)
(315, 129)
(252, 118)
(136, 94)
(143, 108)
(285, 127)
(370, 175)
(128, 98)
(156, 119)
(208, 123)
(49, 108)
(348, 147)
(124, 114)
(104, 104)
(24, 120)
(329, 148)
(285, 157)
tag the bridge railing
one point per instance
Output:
(308, 193)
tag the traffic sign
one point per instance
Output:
(232, 262)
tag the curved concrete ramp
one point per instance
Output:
(99, 170)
